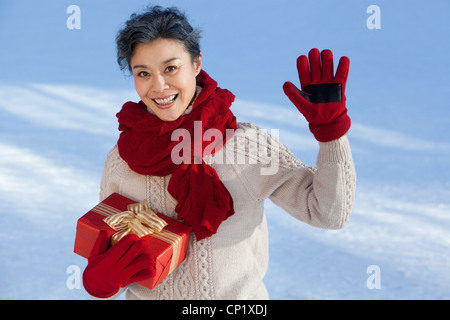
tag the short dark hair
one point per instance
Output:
(156, 23)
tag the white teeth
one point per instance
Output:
(166, 101)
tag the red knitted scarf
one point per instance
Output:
(145, 143)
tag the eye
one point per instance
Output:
(171, 68)
(143, 74)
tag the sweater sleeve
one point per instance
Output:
(322, 197)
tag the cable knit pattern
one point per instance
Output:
(254, 166)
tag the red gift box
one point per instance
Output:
(169, 245)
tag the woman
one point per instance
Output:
(202, 183)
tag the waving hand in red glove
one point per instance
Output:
(322, 98)
(110, 269)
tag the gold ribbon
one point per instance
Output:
(141, 220)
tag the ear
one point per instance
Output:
(198, 63)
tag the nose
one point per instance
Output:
(158, 83)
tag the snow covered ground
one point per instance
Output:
(53, 143)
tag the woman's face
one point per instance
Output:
(165, 77)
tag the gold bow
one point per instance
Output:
(139, 219)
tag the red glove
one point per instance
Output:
(110, 269)
(322, 98)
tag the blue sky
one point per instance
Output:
(250, 47)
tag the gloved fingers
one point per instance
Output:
(294, 94)
(143, 267)
(327, 66)
(303, 71)
(101, 244)
(314, 63)
(137, 248)
(117, 251)
(297, 97)
(142, 275)
(342, 70)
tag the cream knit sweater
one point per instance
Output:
(254, 166)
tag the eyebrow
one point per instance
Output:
(163, 63)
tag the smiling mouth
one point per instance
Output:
(166, 101)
